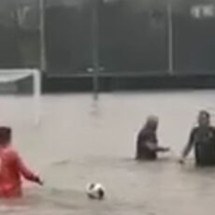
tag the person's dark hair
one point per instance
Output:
(5, 135)
(204, 112)
(151, 122)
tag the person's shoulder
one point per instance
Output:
(143, 132)
(11, 152)
(195, 129)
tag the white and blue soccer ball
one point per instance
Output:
(95, 191)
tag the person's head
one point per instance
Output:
(204, 118)
(5, 135)
(152, 123)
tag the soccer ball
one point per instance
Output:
(95, 191)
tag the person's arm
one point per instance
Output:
(26, 172)
(156, 148)
(151, 146)
(163, 149)
(188, 147)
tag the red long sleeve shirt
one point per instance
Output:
(12, 169)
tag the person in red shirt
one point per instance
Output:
(12, 168)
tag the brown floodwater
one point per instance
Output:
(80, 141)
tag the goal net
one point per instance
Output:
(20, 93)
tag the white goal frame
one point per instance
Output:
(11, 75)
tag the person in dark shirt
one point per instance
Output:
(202, 138)
(147, 143)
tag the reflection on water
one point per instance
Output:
(78, 143)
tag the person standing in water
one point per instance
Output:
(12, 168)
(202, 138)
(147, 143)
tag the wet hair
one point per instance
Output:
(5, 135)
(151, 120)
(205, 113)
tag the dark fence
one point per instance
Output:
(131, 36)
(194, 37)
(110, 37)
(19, 34)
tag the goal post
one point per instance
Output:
(13, 75)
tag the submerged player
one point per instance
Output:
(147, 143)
(12, 168)
(202, 138)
